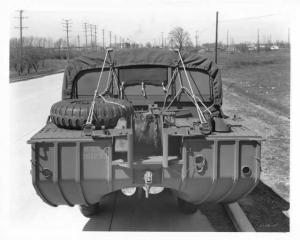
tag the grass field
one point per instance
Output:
(263, 77)
(256, 89)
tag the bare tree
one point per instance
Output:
(50, 42)
(58, 44)
(148, 45)
(179, 38)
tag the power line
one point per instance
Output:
(78, 41)
(95, 32)
(85, 34)
(21, 27)
(216, 43)
(66, 28)
(91, 34)
(103, 39)
(227, 47)
(258, 44)
(110, 39)
(249, 18)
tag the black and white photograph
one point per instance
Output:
(149, 117)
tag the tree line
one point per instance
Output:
(36, 50)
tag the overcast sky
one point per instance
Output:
(146, 20)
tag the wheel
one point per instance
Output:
(89, 211)
(73, 113)
(186, 207)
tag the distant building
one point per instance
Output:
(263, 47)
(252, 47)
(274, 47)
(232, 49)
(202, 50)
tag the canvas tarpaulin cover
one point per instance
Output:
(144, 57)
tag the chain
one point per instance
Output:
(40, 167)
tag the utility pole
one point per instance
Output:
(289, 36)
(78, 41)
(21, 27)
(162, 39)
(103, 43)
(120, 42)
(115, 41)
(85, 34)
(95, 33)
(110, 39)
(216, 43)
(66, 27)
(196, 38)
(91, 33)
(227, 46)
(258, 44)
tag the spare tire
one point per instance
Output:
(73, 113)
(108, 113)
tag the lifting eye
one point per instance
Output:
(47, 173)
(246, 171)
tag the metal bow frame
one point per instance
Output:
(96, 92)
(188, 91)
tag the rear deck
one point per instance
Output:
(51, 132)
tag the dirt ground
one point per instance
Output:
(257, 94)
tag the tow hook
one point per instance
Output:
(148, 182)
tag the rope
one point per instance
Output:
(107, 101)
(96, 94)
(90, 116)
(111, 71)
(189, 92)
(206, 108)
(116, 80)
(200, 114)
(177, 94)
(168, 87)
(108, 82)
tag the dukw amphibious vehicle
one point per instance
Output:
(142, 120)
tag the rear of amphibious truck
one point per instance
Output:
(176, 138)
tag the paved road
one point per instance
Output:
(30, 104)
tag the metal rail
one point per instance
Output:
(238, 217)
